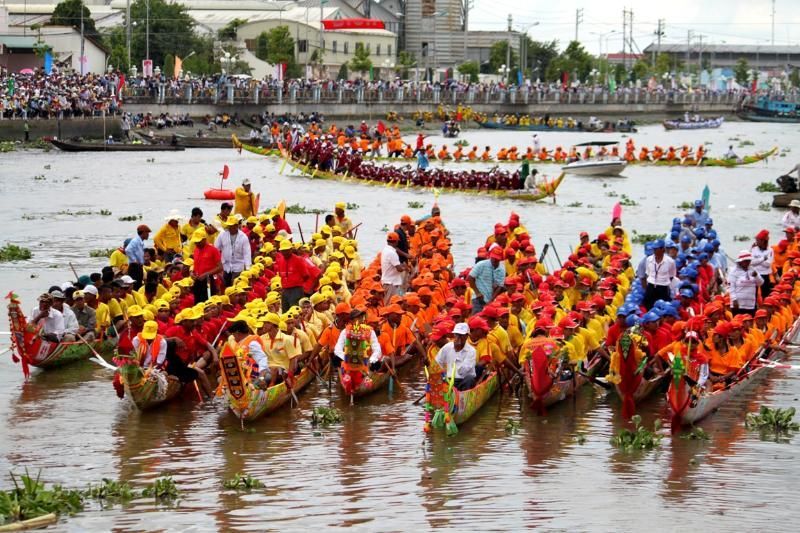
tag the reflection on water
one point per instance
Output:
(377, 469)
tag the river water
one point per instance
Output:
(377, 470)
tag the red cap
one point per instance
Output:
(405, 219)
(392, 237)
(343, 308)
(763, 234)
(477, 322)
(496, 253)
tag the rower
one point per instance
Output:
(730, 154)
(458, 358)
(150, 346)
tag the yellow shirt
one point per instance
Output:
(499, 336)
(118, 260)
(103, 317)
(115, 308)
(302, 341)
(354, 269)
(187, 229)
(168, 239)
(279, 350)
(244, 203)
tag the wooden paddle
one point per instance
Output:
(96, 356)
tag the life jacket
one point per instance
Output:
(155, 347)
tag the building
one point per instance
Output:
(761, 57)
(480, 44)
(435, 31)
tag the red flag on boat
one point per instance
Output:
(225, 172)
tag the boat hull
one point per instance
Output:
(595, 168)
(782, 200)
(699, 125)
(544, 128)
(148, 389)
(103, 147)
(219, 194)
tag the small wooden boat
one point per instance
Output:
(146, 388)
(688, 409)
(447, 407)
(783, 199)
(105, 147)
(244, 398)
(681, 124)
(29, 349)
(561, 389)
(627, 373)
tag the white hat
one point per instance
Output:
(66, 285)
(173, 215)
(794, 203)
(744, 255)
(246, 181)
(127, 280)
(90, 289)
(461, 329)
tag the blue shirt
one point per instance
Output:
(487, 278)
(422, 160)
(700, 218)
(135, 250)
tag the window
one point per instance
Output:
(377, 50)
(389, 50)
(250, 44)
(302, 46)
(424, 49)
(346, 47)
(334, 47)
(368, 47)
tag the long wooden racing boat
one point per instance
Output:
(247, 401)
(446, 407)
(146, 388)
(558, 390)
(188, 141)
(371, 381)
(627, 372)
(105, 147)
(688, 408)
(609, 127)
(30, 349)
(544, 190)
(680, 124)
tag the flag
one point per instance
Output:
(120, 85)
(178, 67)
(612, 84)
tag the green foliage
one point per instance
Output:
(794, 77)
(638, 439)
(228, 33)
(640, 70)
(405, 60)
(697, 433)
(280, 46)
(12, 252)
(416, 205)
(539, 55)
(471, 69)
(764, 206)
(642, 238)
(742, 71)
(262, 42)
(629, 202)
(686, 205)
(767, 186)
(352, 207)
(8, 146)
(361, 61)
(101, 252)
(110, 489)
(325, 416)
(163, 488)
(620, 75)
(171, 31)
(575, 60)
(169, 66)
(242, 481)
(343, 73)
(575, 204)
(29, 498)
(498, 54)
(662, 65)
(130, 218)
(512, 426)
(297, 209)
(104, 212)
(68, 13)
(741, 238)
(775, 423)
(580, 438)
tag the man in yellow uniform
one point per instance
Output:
(278, 346)
(245, 201)
(342, 220)
(168, 239)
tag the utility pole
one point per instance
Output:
(627, 35)
(700, 51)
(83, 56)
(147, 29)
(508, 51)
(578, 20)
(659, 34)
(773, 22)
(467, 5)
(128, 30)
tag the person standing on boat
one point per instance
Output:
(791, 219)
(168, 239)
(487, 279)
(245, 202)
(699, 216)
(234, 248)
(763, 257)
(207, 264)
(391, 267)
(135, 253)
(743, 283)
(659, 271)
(459, 357)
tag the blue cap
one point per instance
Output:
(709, 222)
(671, 244)
(686, 238)
(715, 242)
(658, 244)
(698, 203)
(708, 248)
(660, 304)
(687, 220)
(632, 320)
(703, 256)
(650, 316)
(670, 311)
(688, 293)
(676, 220)
(700, 232)
(674, 234)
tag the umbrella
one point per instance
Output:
(26, 71)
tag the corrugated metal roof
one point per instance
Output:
(726, 48)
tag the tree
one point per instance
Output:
(68, 13)
(575, 60)
(620, 75)
(261, 45)
(742, 71)
(279, 46)
(794, 77)
(640, 70)
(406, 60)
(343, 73)
(361, 61)
(662, 65)
(498, 55)
(538, 56)
(171, 30)
(471, 69)
(228, 33)
(169, 66)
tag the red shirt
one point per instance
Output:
(206, 259)
(613, 335)
(281, 224)
(295, 271)
(187, 352)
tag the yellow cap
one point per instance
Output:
(286, 244)
(317, 298)
(161, 305)
(148, 314)
(150, 330)
(268, 262)
(320, 243)
(230, 221)
(272, 298)
(341, 205)
(252, 220)
(272, 318)
(199, 235)
(275, 283)
(135, 310)
(350, 252)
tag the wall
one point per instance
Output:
(66, 41)
(13, 130)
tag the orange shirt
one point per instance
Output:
(393, 339)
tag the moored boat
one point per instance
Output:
(29, 349)
(146, 388)
(446, 407)
(596, 167)
(682, 124)
(247, 401)
(784, 199)
(768, 110)
(105, 147)
(219, 194)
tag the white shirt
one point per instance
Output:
(742, 286)
(235, 251)
(463, 361)
(161, 356)
(660, 274)
(762, 260)
(254, 350)
(376, 356)
(52, 324)
(389, 263)
(790, 220)
(70, 320)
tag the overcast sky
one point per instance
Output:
(731, 21)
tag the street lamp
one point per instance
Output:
(436, 15)
(523, 48)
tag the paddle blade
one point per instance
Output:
(225, 172)
(282, 208)
(707, 198)
(616, 211)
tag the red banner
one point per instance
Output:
(353, 24)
